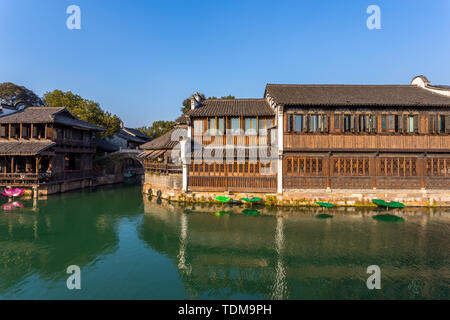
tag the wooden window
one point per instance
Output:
(212, 126)
(442, 126)
(348, 123)
(299, 123)
(351, 166)
(251, 126)
(220, 126)
(290, 123)
(398, 124)
(26, 131)
(398, 167)
(383, 123)
(337, 119)
(3, 131)
(235, 126)
(391, 123)
(198, 126)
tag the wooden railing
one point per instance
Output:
(236, 184)
(23, 179)
(163, 168)
(246, 140)
(365, 142)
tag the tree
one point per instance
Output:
(157, 129)
(187, 102)
(84, 109)
(13, 94)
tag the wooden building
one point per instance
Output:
(322, 137)
(363, 137)
(45, 146)
(229, 145)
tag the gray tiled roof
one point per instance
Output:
(165, 141)
(48, 115)
(355, 95)
(136, 133)
(232, 107)
(24, 147)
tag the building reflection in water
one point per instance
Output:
(279, 255)
(280, 290)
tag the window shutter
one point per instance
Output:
(405, 124)
(327, 124)
(305, 123)
(447, 124)
(431, 124)
(308, 122)
(416, 124)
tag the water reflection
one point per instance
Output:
(164, 250)
(74, 228)
(290, 254)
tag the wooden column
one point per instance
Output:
(421, 170)
(373, 170)
(12, 164)
(329, 171)
(20, 131)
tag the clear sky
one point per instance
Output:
(140, 59)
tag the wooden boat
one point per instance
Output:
(388, 218)
(325, 204)
(251, 200)
(223, 199)
(324, 216)
(388, 204)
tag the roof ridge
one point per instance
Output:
(240, 99)
(339, 85)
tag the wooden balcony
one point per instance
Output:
(366, 142)
(243, 140)
(161, 168)
(233, 184)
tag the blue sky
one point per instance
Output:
(140, 59)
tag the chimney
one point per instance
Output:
(195, 100)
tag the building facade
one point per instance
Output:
(46, 148)
(318, 138)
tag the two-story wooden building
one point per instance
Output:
(230, 145)
(46, 147)
(322, 137)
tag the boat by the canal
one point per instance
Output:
(251, 199)
(388, 204)
(325, 204)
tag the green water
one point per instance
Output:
(130, 248)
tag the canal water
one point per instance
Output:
(128, 247)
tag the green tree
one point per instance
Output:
(13, 94)
(186, 104)
(84, 109)
(157, 129)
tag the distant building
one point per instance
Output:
(128, 138)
